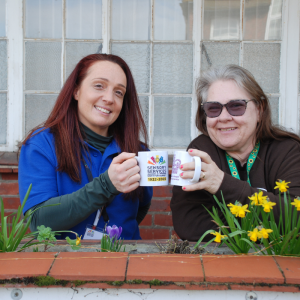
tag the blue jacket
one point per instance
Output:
(38, 164)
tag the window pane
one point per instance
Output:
(172, 122)
(173, 68)
(37, 109)
(42, 66)
(217, 54)
(173, 20)
(144, 101)
(76, 51)
(221, 19)
(3, 118)
(263, 20)
(84, 19)
(3, 65)
(130, 19)
(263, 61)
(43, 19)
(274, 104)
(137, 56)
(2, 18)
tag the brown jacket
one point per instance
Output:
(275, 160)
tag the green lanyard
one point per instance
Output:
(251, 160)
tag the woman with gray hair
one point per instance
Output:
(242, 152)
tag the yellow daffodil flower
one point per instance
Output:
(238, 210)
(254, 199)
(254, 234)
(242, 210)
(233, 208)
(296, 203)
(282, 186)
(265, 233)
(268, 205)
(78, 240)
(219, 237)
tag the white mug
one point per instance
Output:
(154, 168)
(182, 157)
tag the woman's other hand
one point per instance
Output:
(124, 172)
(211, 176)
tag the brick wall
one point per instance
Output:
(156, 225)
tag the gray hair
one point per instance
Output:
(229, 72)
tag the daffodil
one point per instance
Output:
(242, 210)
(265, 233)
(296, 203)
(233, 208)
(268, 205)
(258, 198)
(254, 234)
(78, 240)
(282, 186)
(219, 237)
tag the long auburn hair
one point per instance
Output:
(265, 130)
(64, 123)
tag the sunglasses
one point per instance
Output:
(234, 107)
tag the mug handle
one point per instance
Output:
(197, 173)
(137, 159)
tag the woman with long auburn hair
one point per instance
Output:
(82, 157)
(242, 152)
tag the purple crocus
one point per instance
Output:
(114, 232)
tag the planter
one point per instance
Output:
(141, 272)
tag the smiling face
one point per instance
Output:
(234, 134)
(100, 96)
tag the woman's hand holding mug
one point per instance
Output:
(211, 176)
(124, 172)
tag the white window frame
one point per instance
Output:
(289, 66)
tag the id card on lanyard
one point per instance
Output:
(93, 232)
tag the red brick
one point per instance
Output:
(147, 221)
(154, 233)
(15, 170)
(11, 203)
(291, 268)
(10, 176)
(163, 220)
(6, 170)
(160, 205)
(9, 188)
(162, 191)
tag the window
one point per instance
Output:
(166, 43)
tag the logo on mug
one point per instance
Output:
(157, 171)
(176, 165)
(156, 161)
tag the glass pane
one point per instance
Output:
(137, 56)
(43, 19)
(217, 54)
(84, 19)
(3, 118)
(130, 19)
(263, 61)
(2, 18)
(221, 19)
(76, 51)
(263, 20)
(173, 68)
(172, 122)
(37, 109)
(144, 101)
(274, 104)
(42, 66)
(3, 65)
(173, 20)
